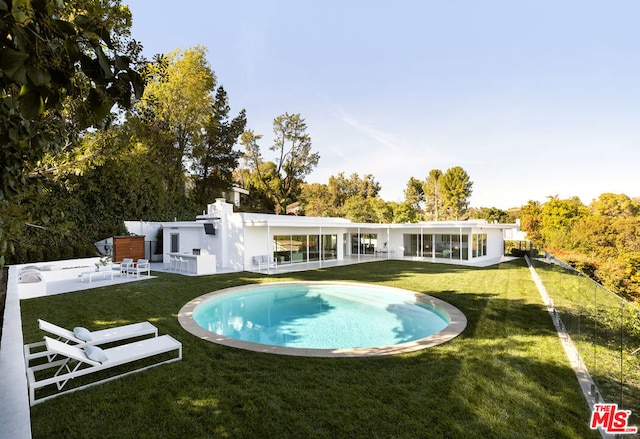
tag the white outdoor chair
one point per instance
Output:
(125, 265)
(81, 336)
(141, 266)
(77, 362)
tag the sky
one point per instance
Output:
(531, 98)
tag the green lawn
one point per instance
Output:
(506, 375)
(605, 333)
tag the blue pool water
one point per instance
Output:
(320, 316)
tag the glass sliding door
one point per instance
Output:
(479, 245)
(410, 243)
(289, 249)
(364, 244)
(442, 244)
(282, 248)
(455, 246)
(427, 246)
(314, 247)
(299, 248)
(465, 247)
(329, 247)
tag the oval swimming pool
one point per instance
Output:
(322, 318)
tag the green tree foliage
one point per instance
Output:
(404, 212)
(616, 206)
(433, 195)
(214, 160)
(558, 218)
(317, 201)
(414, 196)
(330, 199)
(294, 160)
(456, 189)
(367, 210)
(602, 239)
(178, 101)
(530, 221)
(492, 214)
(60, 72)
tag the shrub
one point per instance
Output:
(35, 254)
(66, 252)
(53, 253)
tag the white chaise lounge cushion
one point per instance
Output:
(29, 276)
(95, 353)
(82, 333)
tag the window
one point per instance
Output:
(442, 244)
(427, 246)
(366, 245)
(419, 245)
(288, 249)
(465, 247)
(479, 245)
(410, 245)
(175, 243)
(329, 247)
(455, 246)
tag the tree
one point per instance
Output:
(214, 160)
(404, 212)
(178, 101)
(492, 214)
(317, 201)
(414, 194)
(367, 210)
(294, 159)
(433, 194)
(341, 188)
(54, 58)
(530, 221)
(456, 190)
(557, 220)
(616, 205)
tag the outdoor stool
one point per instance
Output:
(184, 264)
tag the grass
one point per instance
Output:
(605, 334)
(506, 375)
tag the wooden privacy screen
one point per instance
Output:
(128, 247)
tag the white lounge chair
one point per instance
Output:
(103, 336)
(75, 362)
(266, 261)
(141, 266)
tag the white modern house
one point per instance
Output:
(221, 240)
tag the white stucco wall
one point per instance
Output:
(241, 236)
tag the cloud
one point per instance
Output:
(386, 139)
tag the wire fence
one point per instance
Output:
(604, 327)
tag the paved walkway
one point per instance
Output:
(15, 419)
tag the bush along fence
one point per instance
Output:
(604, 327)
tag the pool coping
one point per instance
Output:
(457, 324)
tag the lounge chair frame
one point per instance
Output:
(103, 336)
(75, 363)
